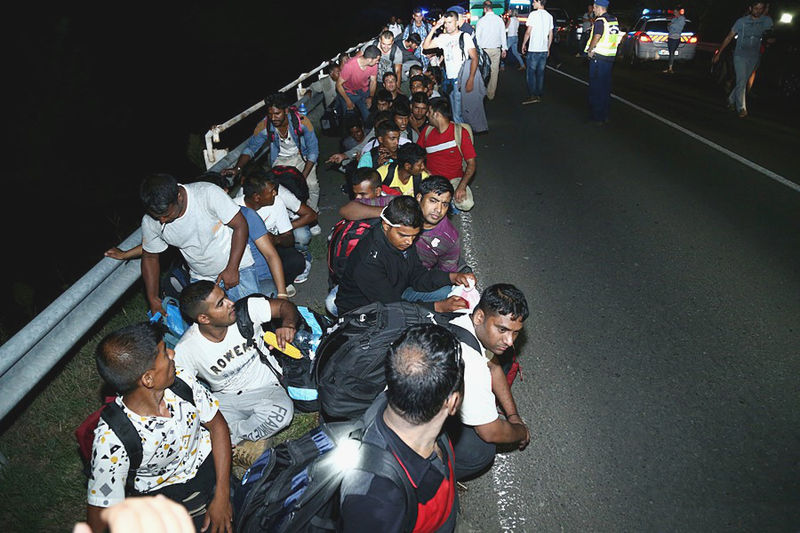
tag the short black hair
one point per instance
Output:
(157, 192)
(440, 104)
(410, 153)
(425, 80)
(383, 95)
(279, 100)
(363, 174)
(330, 66)
(385, 127)
(437, 185)
(420, 98)
(387, 74)
(423, 368)
(405, 211)
(255, 179)
(193, 296)
(415, 67)
(124, 355)
(414, 38)
(504, 299)
(382, 116)
(371, 52)
(401, 107)
(437, 73)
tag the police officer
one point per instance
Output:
(601, 49)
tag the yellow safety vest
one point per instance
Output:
(607, 45)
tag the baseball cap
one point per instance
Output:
(602, 3)
(458, 9)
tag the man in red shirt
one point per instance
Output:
(358, 80)
(444, 155)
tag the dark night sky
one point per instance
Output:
(102, 97)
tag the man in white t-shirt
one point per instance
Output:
(490, 33)
(495, 322)
(185, 444)
(261, 194)
(208, 228)
(449, 41)
(537, 41)
(252, 400)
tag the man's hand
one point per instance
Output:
(461, 193)
(469, 85)
(467, 279)
(368, 101)
(285, 334)
(144, 514)
(219, 515)
(115, 253)
(157, 307)
(453, 303)
(349, 103)
(518, 421)
(336, 158)
(383, 155)
(232, 171)
(230, 277)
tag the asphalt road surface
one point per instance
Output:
(661, 355)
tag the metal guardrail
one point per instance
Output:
(33, 352)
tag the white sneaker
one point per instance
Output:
(290, 290)
(303, 277)
(316, 230)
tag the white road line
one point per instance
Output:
(733, 155)
(507, 486)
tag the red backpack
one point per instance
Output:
(343, 238)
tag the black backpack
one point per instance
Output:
(295, 375)
(125, 431)
(292, 179)
(484, 61)
(344, 237)
(349, 364)
(294, 486)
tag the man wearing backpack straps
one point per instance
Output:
(424, 379)
(404, 175)
(451, 152)
(252, 399)
(495, 322)
(292, 142)
(185, 449)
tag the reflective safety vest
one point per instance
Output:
(607, 45)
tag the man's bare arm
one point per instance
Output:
(355, 210)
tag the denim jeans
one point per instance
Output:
(248, 284)
(410, 295)
(599, 89)
(330, 301)
(454, 94)
(302, 236)
(534, 74)
(512, 47)
(744, 65)
(359, 99)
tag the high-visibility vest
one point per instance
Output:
(607, 45)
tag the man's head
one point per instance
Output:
(390, 81)
(418, 84)
(439, 111)
(401, 222)
(205, 302)
(385, 42)
(539, 4)
(277, 104)
(411, 158)
(435, 193)
(356, 130)
(135, 356)
(600, 7)
(159, 196)
(259, 188)
(416, 16)
(388, 135)
(419, 105)
(381, 117)
(402, 112)
(371, 55)
(333, 70)
(487, 6)
(414, 70)
(424, 374)
(498, 317)
(412, 42)
(383, 99)
(366, 183)
(757, 9)
(451, 22)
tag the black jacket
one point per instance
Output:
(376, 271)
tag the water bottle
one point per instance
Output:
(305, 342)
(302, 108)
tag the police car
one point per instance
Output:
(647, 41)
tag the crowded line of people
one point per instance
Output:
(411, 103)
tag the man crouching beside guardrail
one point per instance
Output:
(171, 428)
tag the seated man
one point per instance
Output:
(347, 157)
(185, 445)
(424, 385)
(496, 321)
(404, 175)
(327, 85)
(355, 134)
(205, 224)
(402, 116)
(251, 398)
(391, 85)
(260, 194)
(383, 101)
(388, 135)
(384, 264)
(269, 268)
(302, 217)
(419, 113)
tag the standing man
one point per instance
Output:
(537, 41)
(292, 143)
(358, 81)
(601, 49)
(421, 27)
(675, 30)
(206, 225)
(490, 32)
(496, 323)
(512, 37)
(748, 31)
(454, 59)
(391, 55)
